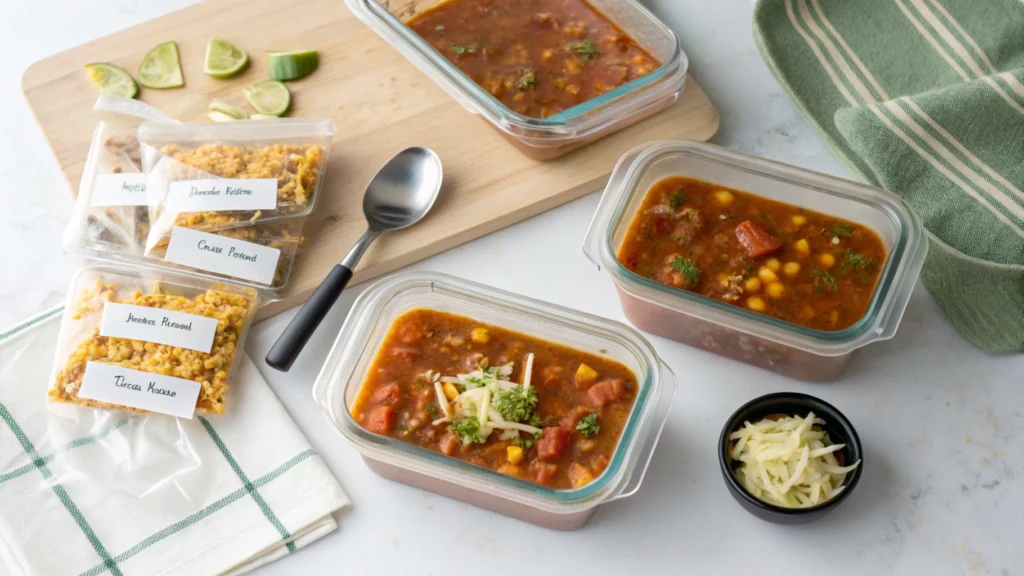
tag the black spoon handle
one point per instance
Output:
(291, 342)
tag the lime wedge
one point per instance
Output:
(269, 97)
(220, 116)
(222, 107)
(161, 68)
(112, 80)
(224, 59)
(292, 65)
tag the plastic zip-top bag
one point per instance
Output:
(147, 340)
(111, 214)
(230, 199)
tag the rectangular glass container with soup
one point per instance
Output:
(550, 76)
(145, 340)
(521, 407)
(762, 262)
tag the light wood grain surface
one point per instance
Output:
(381, 104)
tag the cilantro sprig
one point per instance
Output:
(687, 268)
(588, 426)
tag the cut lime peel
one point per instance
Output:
(161, 67)
(292, 65)
(111, 79)
(270, 97)
(224, 59)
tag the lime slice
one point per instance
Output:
(292, 65)
(224, 59)
(112, 80)
(269, 97)
(220, 116)
(161, 67)
(222, 107)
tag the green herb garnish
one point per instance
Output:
(822, 279)
(677, 198)
(526, 443)
(687, 269)
(589, 426)
(527, 81)
(857, 261)
(841, 230)
(516, 405)
(461, 49)
(585, 49)
(433, 410)
(649, 271)
(468, 430)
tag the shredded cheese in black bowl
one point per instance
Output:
(789, 458)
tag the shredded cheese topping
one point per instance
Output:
(787, 462)
(483, 392)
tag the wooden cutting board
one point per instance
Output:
(380, 103)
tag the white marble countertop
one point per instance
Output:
(942, 424)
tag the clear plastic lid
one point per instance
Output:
(372, 316)
(140, 319)
(387, 19)
(900, 230)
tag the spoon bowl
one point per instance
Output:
(398, 196)
(403, 190)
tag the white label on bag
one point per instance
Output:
(142, 390)
(222, 255)
(119, 190)
(160, 326)
(216, 194)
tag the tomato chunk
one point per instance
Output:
(605, 392)
(381, 420)
(404, 353)
(543, 473)
(389, 394)
(553, 443)
(756, 240)
(570, 420)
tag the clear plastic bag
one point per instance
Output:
(111, 213)
(212, 177)
(145, 340)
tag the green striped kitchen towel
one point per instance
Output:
(924, 98)
(235, 492)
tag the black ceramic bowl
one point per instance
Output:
(839, 430)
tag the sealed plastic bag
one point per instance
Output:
(145, 340)
(211, 177)
(111, 214)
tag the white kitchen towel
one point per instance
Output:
(234, 492)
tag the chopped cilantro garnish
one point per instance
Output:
(468, 430)
(527, 81)
(461, 49)
(677, 198)
(585, 49)
(841, 230)
(649, 271)
(526, 443)
(588, 426)
(857, 261)
(822, 279)
(687, 269)
(434, 410)
(516, 405)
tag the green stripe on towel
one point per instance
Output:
(924, 98)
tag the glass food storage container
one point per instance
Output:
(735, 332)
(556, 135)
(373, 314)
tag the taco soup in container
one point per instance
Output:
(549, 76)
(769, 264)
(525, 408)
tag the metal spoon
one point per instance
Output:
(398, 196)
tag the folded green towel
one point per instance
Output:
(924, 98)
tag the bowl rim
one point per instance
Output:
(830, 413)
